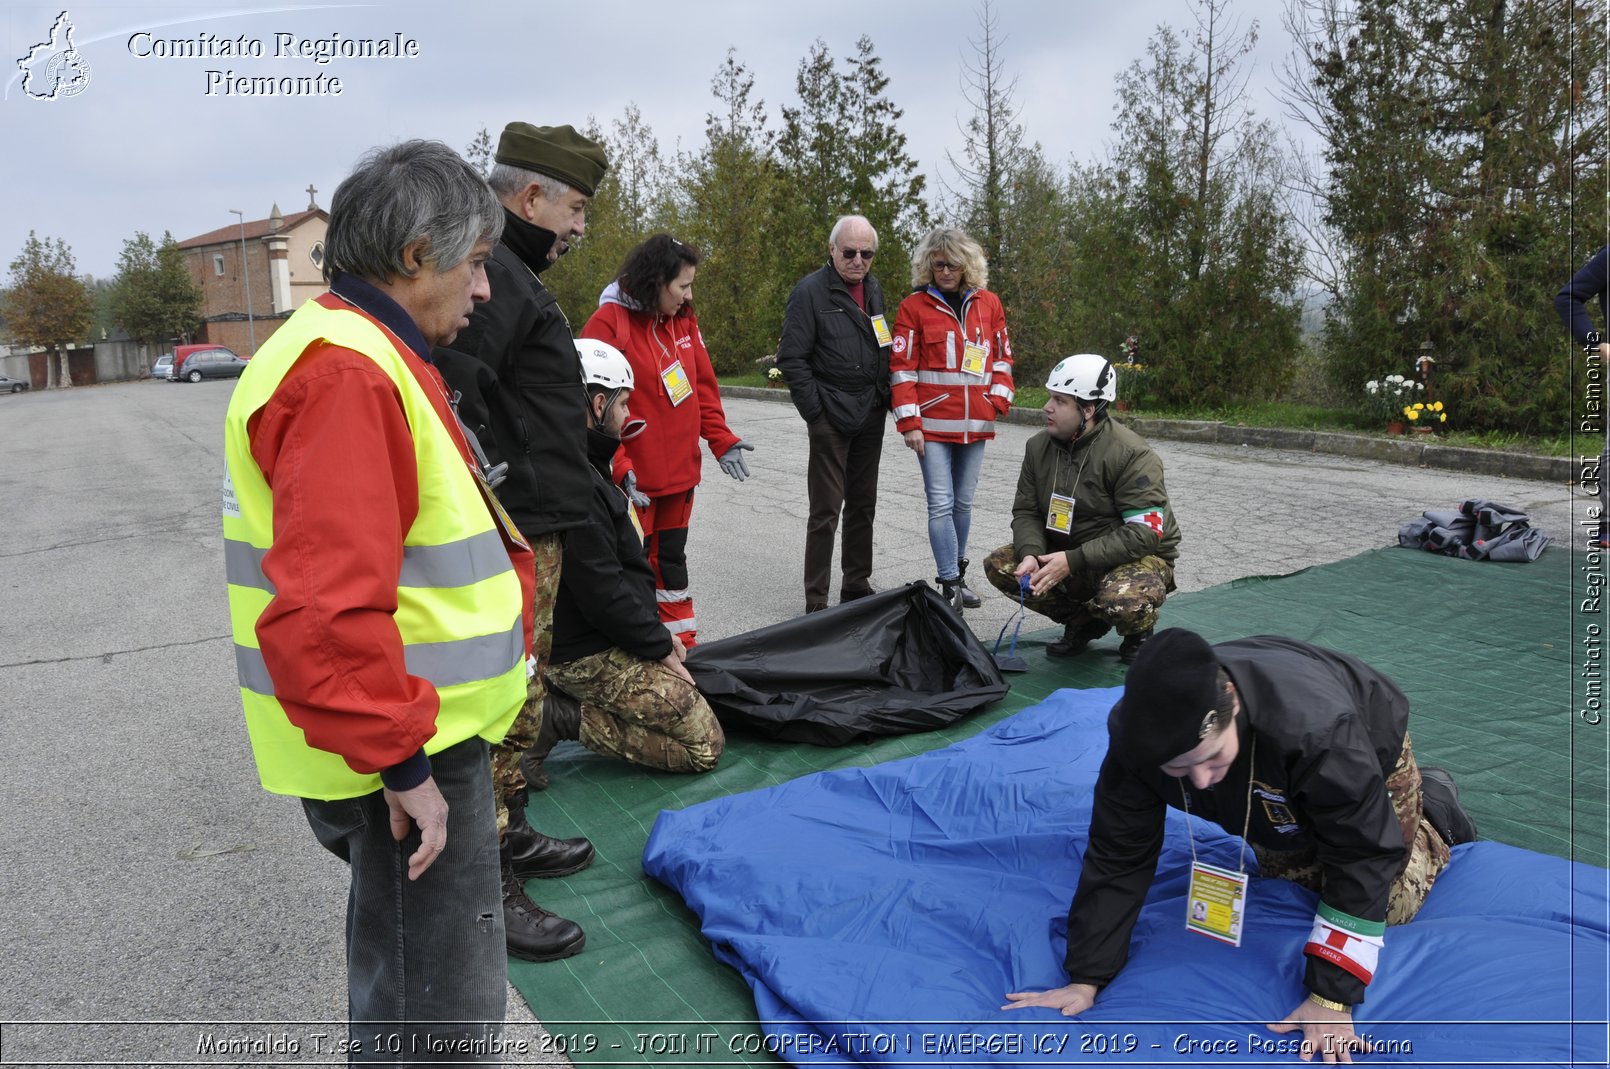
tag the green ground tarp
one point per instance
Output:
(1484, 651)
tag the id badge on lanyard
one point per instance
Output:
(880, 327)
(1218, 903)
(676, 382)
(1059, 516)
(973, 358)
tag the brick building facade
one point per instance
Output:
(284, 260)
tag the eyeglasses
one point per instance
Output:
(946, 265)
(850, 254)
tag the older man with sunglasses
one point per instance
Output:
(834, 355)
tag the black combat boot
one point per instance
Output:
(531, 932)
(970, 600)
(561, 721)
(535, 856)
(951, 591)
(1130, 647)
(1439, 798)
(1075, 637)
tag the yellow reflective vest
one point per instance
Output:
(458, 595)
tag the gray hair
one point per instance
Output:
(399, 194)
(846, 220)
(506, 180)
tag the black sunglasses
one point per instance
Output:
(850, 254)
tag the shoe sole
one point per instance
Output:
(553, 874)
(570, 950)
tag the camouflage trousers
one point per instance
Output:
(641, 711)
(507, 780)
(1126, 598)
(1428, 854)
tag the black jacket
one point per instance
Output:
(606, 589)
(830, 356)
(1329, 731)
(519, 380)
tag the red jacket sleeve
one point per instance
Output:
(903, 366)
(335, 447)
(1001, 363)
(712, 416)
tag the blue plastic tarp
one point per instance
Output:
(880, 915)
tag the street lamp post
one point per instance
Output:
(245, 272)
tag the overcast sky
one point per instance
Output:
(154, 143)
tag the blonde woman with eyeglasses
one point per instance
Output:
(950, 374)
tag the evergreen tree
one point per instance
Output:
(731, 190)
(1209, 278)
(816, 185)
(46, 304)
(1453, 144)
(884, 182)
(842, 153)
(633, 200)
(153, 297)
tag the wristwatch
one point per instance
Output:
(1337, 1007)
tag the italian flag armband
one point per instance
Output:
(1347, 941)
(1151, 518)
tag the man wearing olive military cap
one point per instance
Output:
(518, 379)
(1305, 753)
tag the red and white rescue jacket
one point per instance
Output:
(950, 377)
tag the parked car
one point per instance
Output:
(12, 385)
(163, 368)
(192, 363)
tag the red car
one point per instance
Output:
(192, 363)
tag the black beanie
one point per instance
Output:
(1169, 697)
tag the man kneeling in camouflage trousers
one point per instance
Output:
(617, 682)
(1091, 527)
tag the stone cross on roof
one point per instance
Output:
(312, 205)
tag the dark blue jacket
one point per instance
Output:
(1590, 282)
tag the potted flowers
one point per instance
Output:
(1386, 400)
(1425, 418)
(774, 376)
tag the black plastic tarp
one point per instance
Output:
(897, 662)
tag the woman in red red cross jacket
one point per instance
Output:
(950, 371)
(647, 313)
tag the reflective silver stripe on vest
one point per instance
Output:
(243, 565)
(903, 376)
(452, 564)
(906, 411)
(1001, 390)
(949, 378)
(466, 660)
(442, 664)
(958, 426)
(460, 563)
(252, 671)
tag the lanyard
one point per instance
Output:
(1246, 824)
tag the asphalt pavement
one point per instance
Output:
(150, 884)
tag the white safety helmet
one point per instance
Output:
(604, 365)
(1086, 376)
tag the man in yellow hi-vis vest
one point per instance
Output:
(379, 599)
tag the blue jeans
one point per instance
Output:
(949, 477)
(427, 969)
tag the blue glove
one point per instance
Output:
(629, 485)
(732, 461)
